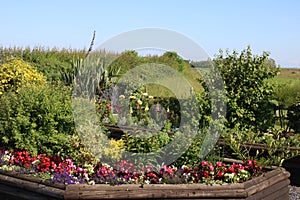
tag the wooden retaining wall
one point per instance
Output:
(271, 185)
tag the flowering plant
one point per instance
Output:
(66, 172)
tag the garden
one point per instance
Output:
(94, 126)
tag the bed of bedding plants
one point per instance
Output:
(65, 171)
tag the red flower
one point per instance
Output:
(206, 174)
(220, 174)
(219, 164)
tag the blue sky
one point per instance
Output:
(268, 25)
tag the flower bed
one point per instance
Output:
(64, 171)
(25, 176)
(270, 185)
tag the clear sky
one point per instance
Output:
(265, 25)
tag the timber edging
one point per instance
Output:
(270, 185)
(273, 184)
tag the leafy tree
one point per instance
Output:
(249, 94)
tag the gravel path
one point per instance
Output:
(294, 193)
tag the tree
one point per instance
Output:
(248, 92)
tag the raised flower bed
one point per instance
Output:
(41, 177)
(270, 185)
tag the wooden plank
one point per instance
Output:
(134, 194)
(32, 179)
(275, 191)
(31, 186)
(267, 183)
(278, 188)
(126, 187)
(267, 175)
(15, 193)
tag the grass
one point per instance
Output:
(287, 76)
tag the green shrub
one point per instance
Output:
(144, 142)
(192, 154)
(38, 118)
(249, 94)
(17, 73)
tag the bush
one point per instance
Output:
(17, 73)
(38, 118)
(249, 94)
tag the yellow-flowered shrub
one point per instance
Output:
(17, 73)
(114, 149)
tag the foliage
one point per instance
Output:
(79, 151)
(53, 63)
(277, 146)
(114, 149)
(16, 73)
(287, 96)
(248, 93)
(202, 64)
(124, 62)
(143, 142)
(192, 154)
(92, 75)
(38, 118)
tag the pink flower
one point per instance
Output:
(168, 169)
(204, 163)
(219, 164)
(249, 162)
(241, 167)
(211, 167)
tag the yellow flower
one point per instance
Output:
(139, 102)
(150, 97)
(132, 97)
